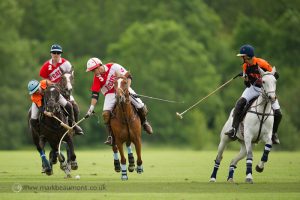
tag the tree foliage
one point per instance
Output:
(179, 50)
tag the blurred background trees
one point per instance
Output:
(179, 50)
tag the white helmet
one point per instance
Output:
(92, 63)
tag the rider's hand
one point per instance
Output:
(90, 111)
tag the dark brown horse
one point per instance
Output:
(51, 131)
(126, 126)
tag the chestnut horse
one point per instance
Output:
(126, 126)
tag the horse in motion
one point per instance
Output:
(51, 131)
(256, 127)
(126, 127)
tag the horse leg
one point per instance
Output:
(71, 153)
(53, 157)
(124, 176)
(233, 164)
(116, 159)
(131, 164)
(64, 166)
(260, 167)
(224, 141)
(249, 146)
(138, 149)
(40, 144)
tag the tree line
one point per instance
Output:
(179, 50)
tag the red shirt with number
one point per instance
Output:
(54, 72)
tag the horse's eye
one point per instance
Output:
(263, 82)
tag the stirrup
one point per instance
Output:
(108, 141)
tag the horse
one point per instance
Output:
(126, 128)
(256, 127)
(51, 131)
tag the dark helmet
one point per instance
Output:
(56, 48)
(246, 50)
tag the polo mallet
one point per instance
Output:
(154, 98)
(49, 114)
(180, 115)
(61, 139)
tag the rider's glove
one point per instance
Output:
(90, 111)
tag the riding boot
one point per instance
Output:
(35, 126)
(237, 115)
(71, 121)
(75, 110)
(106, 117)
(142, 112)
(277, 119)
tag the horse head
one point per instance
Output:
(268, 84)
(51, 98)
(66, 84)
(121, 87)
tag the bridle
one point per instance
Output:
(51, 99)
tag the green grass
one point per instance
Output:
(168, 174)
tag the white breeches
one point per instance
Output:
(253, 91)
(35, 110)
(110, 100)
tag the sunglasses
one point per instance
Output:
(56, 52)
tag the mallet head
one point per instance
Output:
(179, 115)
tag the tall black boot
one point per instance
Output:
(35, 126)
(75, 110)
(142, 112)
(237, 115)
(71, 121)
(106, 118)
(277, 119)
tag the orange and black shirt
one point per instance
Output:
(37, 97)
(253, 72)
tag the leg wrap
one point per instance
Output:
(249, 166)
(267, 150)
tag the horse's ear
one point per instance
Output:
(262, 72)
(128, 74)
(273, 70)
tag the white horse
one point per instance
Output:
(256, 126)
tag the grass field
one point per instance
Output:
(168, 174)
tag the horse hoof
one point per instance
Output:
(139, 169)
(258, 169)
(49, 172)
(213, 180)
(68, 176)
(131, 167)
(124, 177)
(74, 165)
(249, 180)
(230, 180)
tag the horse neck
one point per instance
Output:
(126, 108)
(261, 102)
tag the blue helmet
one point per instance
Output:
(246, 50)
(56, 48)
(33, 86)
